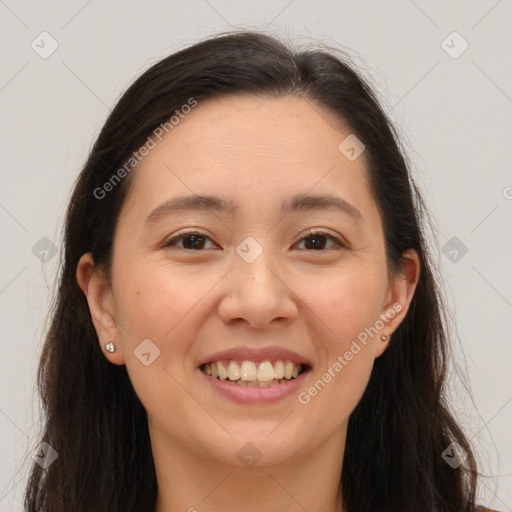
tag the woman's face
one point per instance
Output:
(286, 262)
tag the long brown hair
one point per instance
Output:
(93, 418)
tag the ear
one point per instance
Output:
(401, 291)
(101, 306)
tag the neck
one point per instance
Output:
(194, 483)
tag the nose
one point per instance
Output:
(257, 294)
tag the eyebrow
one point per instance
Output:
(297, 203)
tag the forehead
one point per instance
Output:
(249, 147)
(288, 127)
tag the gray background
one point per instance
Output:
(453, 113)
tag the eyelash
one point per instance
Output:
(178, 238)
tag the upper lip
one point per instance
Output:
(256, 354)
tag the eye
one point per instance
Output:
(318, 240)
(192, 241)
(195, 241)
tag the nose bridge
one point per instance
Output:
(259, 277)
(254, 273)
(256, 292)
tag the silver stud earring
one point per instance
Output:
(110, 348)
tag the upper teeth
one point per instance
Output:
(252, 371)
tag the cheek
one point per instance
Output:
(338, 390)
(347, 301)
(152, 302)
(160, 305)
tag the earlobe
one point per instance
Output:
(99, 299)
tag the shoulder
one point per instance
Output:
(479, 508)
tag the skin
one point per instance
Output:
(193, 303)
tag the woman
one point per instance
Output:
(247, 316)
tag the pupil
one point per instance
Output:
(318, 241)
(194, 241)
(197, 241)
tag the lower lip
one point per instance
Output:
(246, 395)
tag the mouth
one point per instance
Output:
(254, 374)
